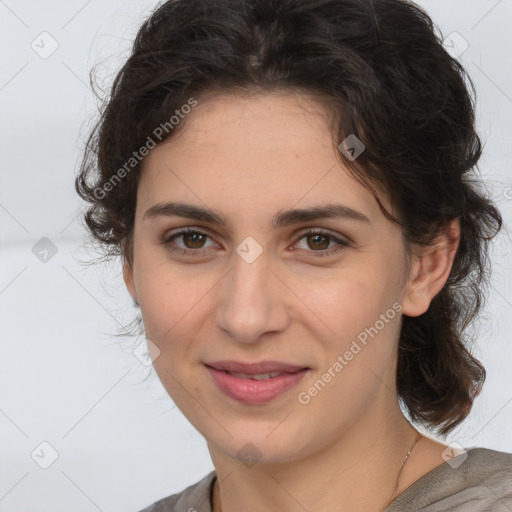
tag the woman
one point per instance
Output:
(290, 187)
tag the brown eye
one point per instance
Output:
(186, 241)
(193, 240)
(318, 241)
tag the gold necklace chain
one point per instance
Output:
(417, 437)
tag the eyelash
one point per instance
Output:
(342, 244)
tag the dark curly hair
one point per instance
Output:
(382, 71)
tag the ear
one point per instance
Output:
(430, 270)
(129, 280)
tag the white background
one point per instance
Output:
(64, 378)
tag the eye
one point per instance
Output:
(192, 239)
(320, 241)
(194, 242)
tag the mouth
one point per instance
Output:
(255, 376)
(255, 383)
(258, 368)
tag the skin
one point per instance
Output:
(249, 158)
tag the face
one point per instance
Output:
(253, 283)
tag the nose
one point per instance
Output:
(251, 301)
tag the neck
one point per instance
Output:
(362, 470)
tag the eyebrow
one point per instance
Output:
(281, 219)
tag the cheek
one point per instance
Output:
(347, 304)
(357, 321)
(357, 353)
(165, 299)
(173, 313)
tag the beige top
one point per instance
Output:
(481, 483)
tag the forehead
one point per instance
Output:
(279, 124)
(254, 151)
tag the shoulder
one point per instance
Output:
(503, 458)
(491, 472)
(478, 480)
(490, 468)
(491, 459)
(195, 498)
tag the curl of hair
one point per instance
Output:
(382, 72)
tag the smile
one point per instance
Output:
(258, 376)
(255, 388)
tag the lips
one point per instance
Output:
(255, 368)
(259, 376)
(255, 383)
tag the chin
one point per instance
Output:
(253, 446)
